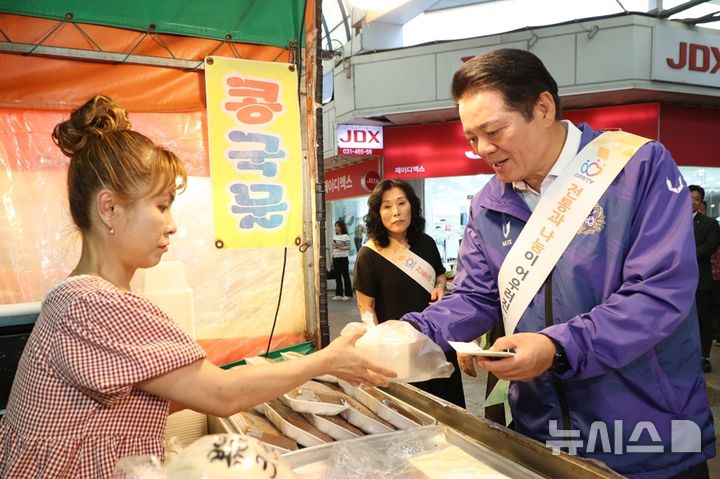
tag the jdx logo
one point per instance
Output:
(360, 136)
(696, 57)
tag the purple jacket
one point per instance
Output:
(622, 308)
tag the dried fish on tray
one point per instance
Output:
(306, 400)
(397, 413)
(429, 452)
(320, 387)
(363, 418)
(293, 425)
(257, 426)
(360, 416)
(334, 426)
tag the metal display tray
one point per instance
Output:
(382, 410)
(388, 454)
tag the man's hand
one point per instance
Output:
(467, 364)
(533, 356)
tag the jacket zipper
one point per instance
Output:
(564, 409)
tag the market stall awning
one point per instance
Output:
(146, 55)
(264, 22)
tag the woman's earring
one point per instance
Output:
(112, 231)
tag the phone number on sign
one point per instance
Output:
(356, 151)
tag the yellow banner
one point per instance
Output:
(255, 152)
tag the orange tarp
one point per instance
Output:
(35, 82)
(233, 289)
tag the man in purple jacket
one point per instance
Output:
(607, 350)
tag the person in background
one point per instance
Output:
(341, 262)
(360, 231)
(715, 270)
(102, 364)
(606, 342)
(347, 217)
(395, 225)
(707, 240)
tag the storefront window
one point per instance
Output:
(709, 179)
(446, 209)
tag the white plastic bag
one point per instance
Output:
(139, 467)
(225, 456)
(405, 350)
(215, 456)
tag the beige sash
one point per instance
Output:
(558, 217)
(551, 227)
(408, 262)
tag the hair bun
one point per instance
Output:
(98, 117)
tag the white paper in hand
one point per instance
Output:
(474, 349)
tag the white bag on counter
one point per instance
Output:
(402, 348)
(216, 456)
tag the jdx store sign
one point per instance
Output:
(354, 180)
(359, 140)
(684, 56)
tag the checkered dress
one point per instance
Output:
(73, 410)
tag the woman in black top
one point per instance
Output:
(386, 291)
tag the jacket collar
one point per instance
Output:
(503, 198)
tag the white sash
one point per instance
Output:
(558, 217)
(408, 262)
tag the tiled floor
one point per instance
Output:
(343, 312)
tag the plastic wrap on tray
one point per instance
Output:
(385, 407)
(452, 461)
(428, 452)
(293, 425)
(334, 426)
(257, 426)
(290, 355)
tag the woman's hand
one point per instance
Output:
(437, 293)
(352, 365)
(439, 289)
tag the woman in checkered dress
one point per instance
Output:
(102, 364)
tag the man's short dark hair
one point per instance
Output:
(518, 74)
(699, 189)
